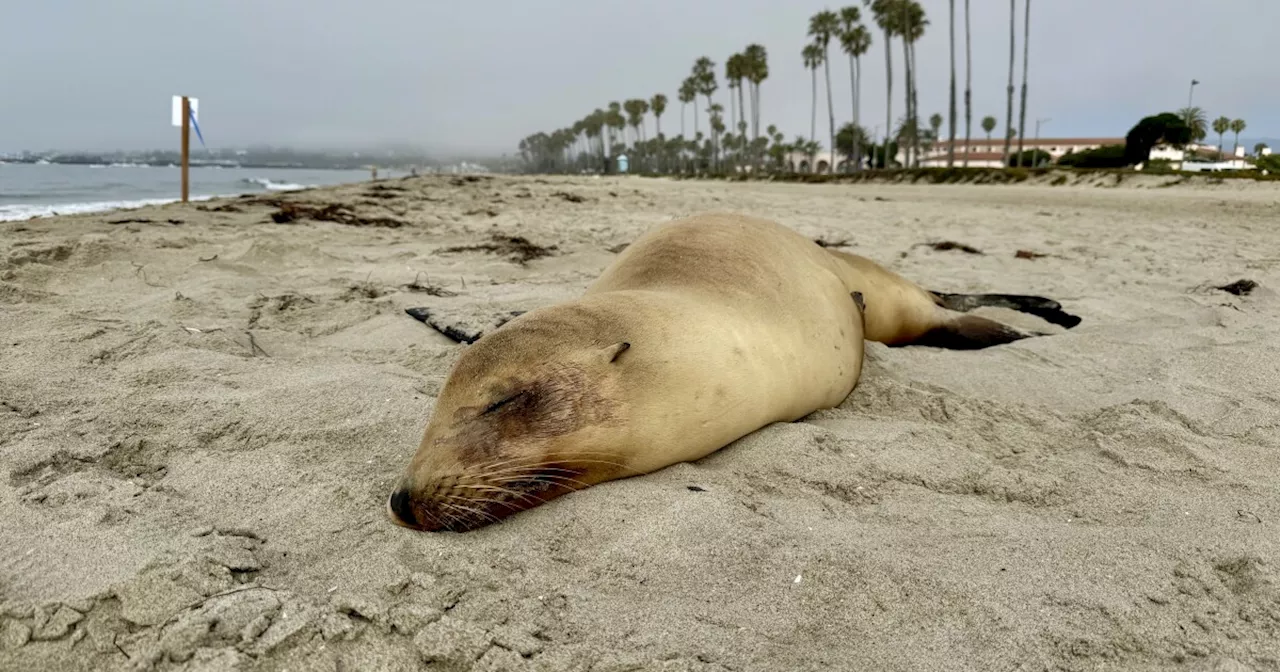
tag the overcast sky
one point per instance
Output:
(480, 75)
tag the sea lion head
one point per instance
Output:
(528, 413)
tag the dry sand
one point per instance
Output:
(200, 421)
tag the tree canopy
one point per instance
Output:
(1164, 128)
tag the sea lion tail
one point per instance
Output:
(1046, 309)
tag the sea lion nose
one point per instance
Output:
(399, 505)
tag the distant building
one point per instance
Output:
(990, 153)
(1202, 158)
(800, 162)
(981, 153)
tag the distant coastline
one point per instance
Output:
(31, 189)
(265, 159)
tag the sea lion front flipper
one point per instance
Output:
(1044, 308)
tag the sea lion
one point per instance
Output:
(702, 331)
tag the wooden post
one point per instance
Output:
(186, 145)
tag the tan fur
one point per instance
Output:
(732, 322)
(898, 310)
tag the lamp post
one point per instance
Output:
(1043, 120)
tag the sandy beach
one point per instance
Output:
(202, 411)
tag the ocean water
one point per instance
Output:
(42, 190)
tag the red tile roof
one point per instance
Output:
(973, 156)
(1042, 142)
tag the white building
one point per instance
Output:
(799, 162)
(980, 152)
(984, 153)
(1208, 158)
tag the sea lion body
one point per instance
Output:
(732, 339)
(702, 331)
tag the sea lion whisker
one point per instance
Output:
(539, 467)
(531, 469)
(548, 479)
(494, 464)
(500, 490)
(473, 511)
(611, 463)
(507, 466)
(436, 521)
(487, 500)
(520, 477)
(520, 460)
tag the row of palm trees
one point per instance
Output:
(1198, 122)
(603, 132)
(906, 21)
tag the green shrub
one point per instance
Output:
(1030, 158)
(1107, 156)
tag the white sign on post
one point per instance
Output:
(177, 109)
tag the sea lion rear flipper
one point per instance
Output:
(1046, 309)
(969, 332)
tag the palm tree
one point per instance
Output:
(579, 129)
(1008, 115)
(968, 84)
(812, 55)
(849, 137)
(617, 125)
(595, 123)
(900, 13)
(1259, 148)
(907, 132)
(1220, 126)
(951, 131)
(935, 125)
(636, 109)
(881, 11)
(989, 125)
(704, 80)
(1026, 48)
(1196, 120)
(659, 105)
(822, 27)
(1237, 125)
(686, 95)
(911, 29)
(717, 127)
(856, 41)
(757, 71)
(733, 78)
(740, 75)
(615, 109)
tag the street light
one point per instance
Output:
(1044, 120)
(1038, 122)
